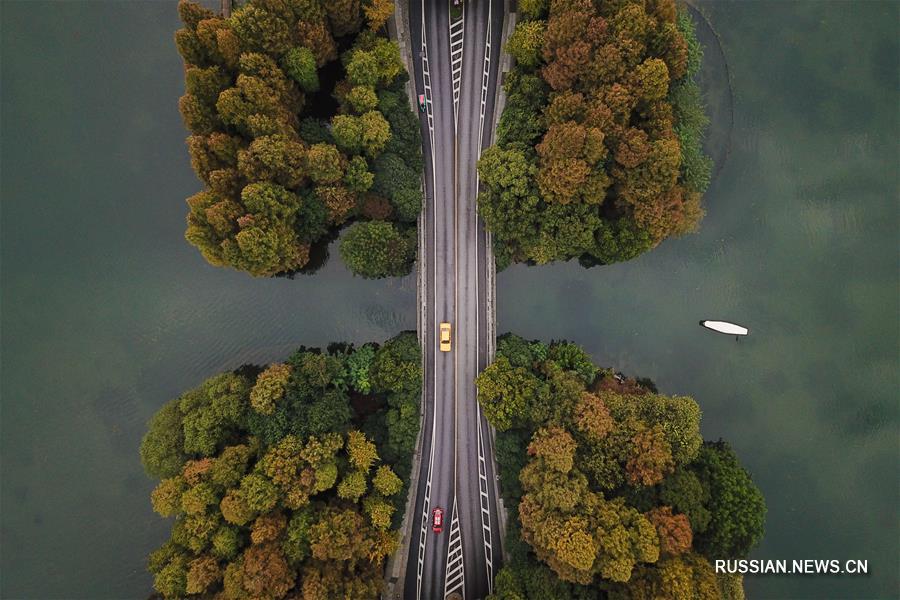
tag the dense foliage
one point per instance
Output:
(287, 480)
(598, 152)
(611, 489)
(299, 125)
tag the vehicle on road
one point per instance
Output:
(437, 520)
(421, 102)
(445, 337)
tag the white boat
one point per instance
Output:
(725, 327)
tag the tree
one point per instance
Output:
(347, 132)
(555, 446)
(377, 249)
(325, 163)
(677, 416)
(396, 368)
(269, 388)
(613, 490)
(504, 392)
(192, 13)
(162, 449)
(246, 81)
(683, 491)
(300, 65)
(362, 452)
(577, 532)
(261, 30)
(166, 498)
(362, 69)
(592, 418)
(533, 9)
(526, 42)
(674, 531)
(344, 15)
(202, 573)
(736, 506)
(386, 482)
(378, 12)
(379, 511)
(651, 80)
(339, 202)
(273, 158)
(650, 459)
(357, 177)
(395, 180)
(264, 572)
(613, 71)
(685, 576)
(353, 486)
(362, 99)
(375, 132)
(360, 366)
(510, 204)
(231, 465)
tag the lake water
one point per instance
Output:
(799, 244)
(107, 313)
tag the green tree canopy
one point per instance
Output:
(611, 489)
(267, 500)
(603, 124)
(252, 98)
(377, 249)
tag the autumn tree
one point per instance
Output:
(378, 12)
(602, 103)
(250, 85)
(269, 388)
(611, 491)
(272, 492)
(674, 531)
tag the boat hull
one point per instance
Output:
(725, 327)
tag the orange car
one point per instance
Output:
(445, 337)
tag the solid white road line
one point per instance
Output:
(429, 114)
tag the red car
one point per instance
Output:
(437, 520)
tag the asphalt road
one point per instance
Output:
(455, 66)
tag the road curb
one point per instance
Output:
(509, 22)
(395, 570)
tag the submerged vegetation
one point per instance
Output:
(287, 480)
(299, 125)
(599, 149)
(610, 488)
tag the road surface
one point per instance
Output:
(455, 65)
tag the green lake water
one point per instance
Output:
(800, 244)
(107, 313)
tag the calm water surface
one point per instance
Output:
(799, 244)
(107, 312)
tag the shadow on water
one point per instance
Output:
(715, 81)
(318, 255)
